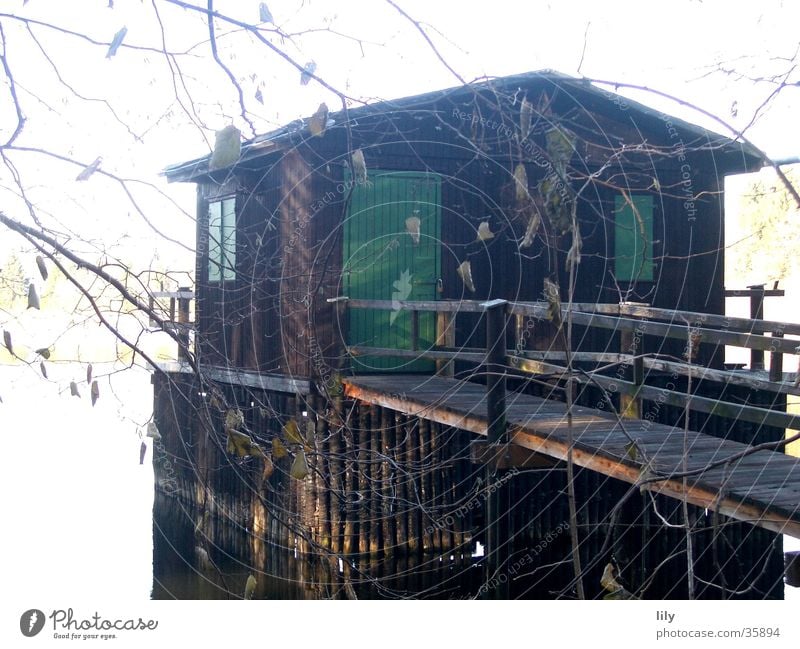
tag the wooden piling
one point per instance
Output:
(336, 476)
(351, 487)
(412, 467)
(426, 469)
(401, 433)
(387, 510)
(362, 466)
(374, 492)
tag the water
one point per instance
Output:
(79, 501)
(81, 512)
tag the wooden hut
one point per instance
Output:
(495, 190)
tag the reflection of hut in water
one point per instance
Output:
(291, 230)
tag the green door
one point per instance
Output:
(384, 259)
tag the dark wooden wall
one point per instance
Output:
(277, 318)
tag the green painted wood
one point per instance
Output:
(382, 261)
(633, 239)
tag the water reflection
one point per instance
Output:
(181, 572)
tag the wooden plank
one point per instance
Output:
(746, 325)
(747, 379)
(701, 491)
(249, 378)
(664, 330)
(361, 350)
(508, 456)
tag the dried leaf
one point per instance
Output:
(7, 341)
(41, 266)
(250, 587)
(264, 14)
(214, 401)
(553, 301)
(95, 392)
(556, 207)
(73, 389)
(609, 582)
(203, 560)
(534, 222)
(318, 122)
(413, 228)
(116, 42)
(359, 166)
(574, 254)
(88, 374)
(44, 352)
(227, 148)
(202, 522)
(269, 468)
(33, 297)
(291, 432)
(142, 452)
(465, 273)
(43, 369)
(238, 443)
(521, 183)
(152, 431)
(308, 70)
(299, 468)
(88, 171)
(310, 434)
(278, 449)
(259, 96)
(631, 450)
(560, 146)
(233, 419)
(525, 118)
(484, 231)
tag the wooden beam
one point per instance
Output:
(744, 377)
(666, 330)
(508, 456)
(249, 378)
(628, 471)
(746, 325)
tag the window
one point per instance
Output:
(222, 240)
(633, 239)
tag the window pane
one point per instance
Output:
(214, 240)
(228, 236)
(633, 239)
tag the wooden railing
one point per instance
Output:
(177, 317)
(632, 321)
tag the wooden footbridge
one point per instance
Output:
(756, 484)
(421, 467)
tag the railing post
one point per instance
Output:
(498, 540)
(495, 366)
(756, 313)
(630, 343)
(776, 361)
(183, 321)
(445, 337)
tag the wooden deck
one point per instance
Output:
(762, 488)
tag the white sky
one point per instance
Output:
(671, 46)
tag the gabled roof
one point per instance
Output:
(747, 157)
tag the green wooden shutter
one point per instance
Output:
(633, 239)
(382, 262)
